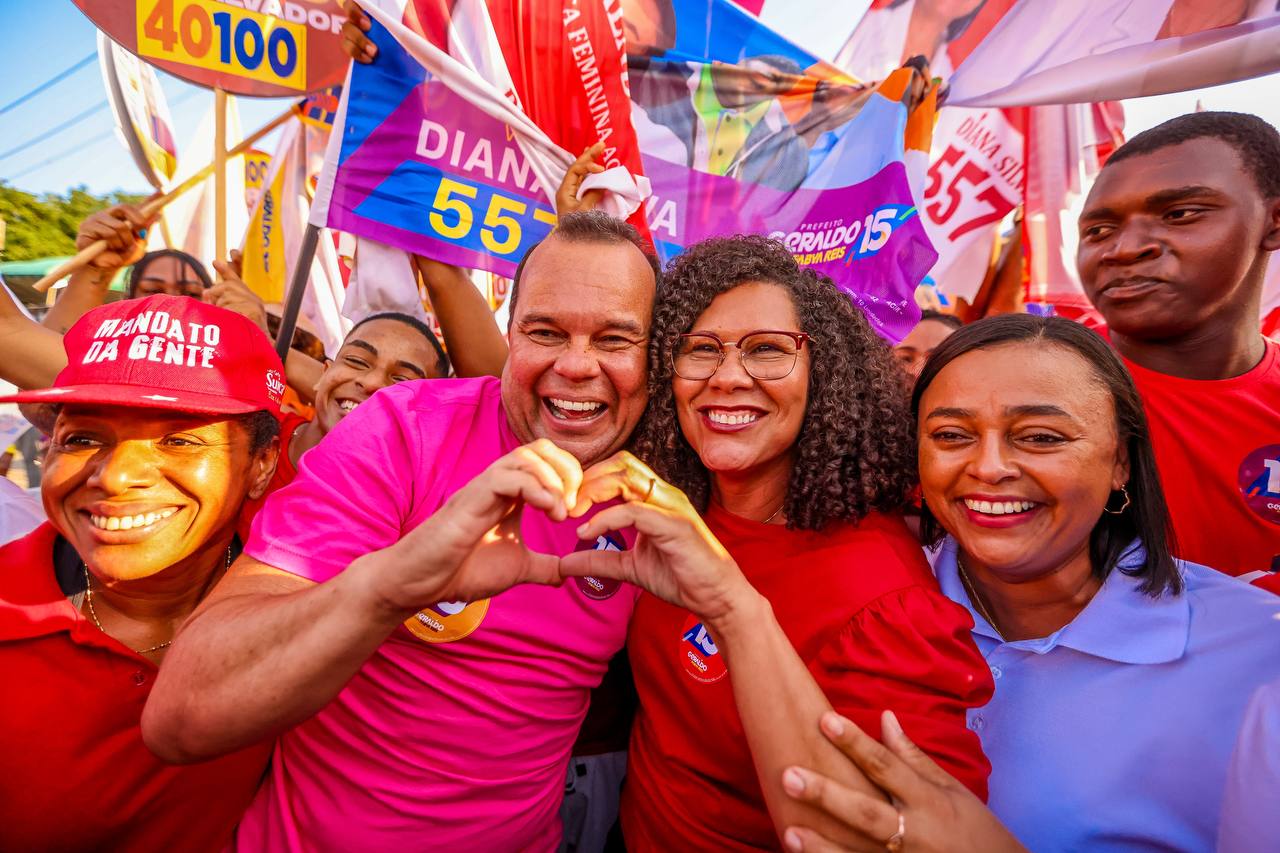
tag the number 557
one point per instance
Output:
(987, 203)
(453, 216)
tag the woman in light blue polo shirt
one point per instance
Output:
(1122, 675)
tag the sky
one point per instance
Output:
(54, 35)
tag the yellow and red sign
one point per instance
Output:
(263, 257)
(257, 165)
(264, 48)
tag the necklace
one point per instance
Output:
(775, 512)
(972, 592)
(93, 614)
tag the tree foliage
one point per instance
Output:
(45, 225)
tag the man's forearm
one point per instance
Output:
(249, 665)
(30, 355)
(302, 372)
(475, 343)
(780, 704)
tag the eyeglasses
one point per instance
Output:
(765, 355)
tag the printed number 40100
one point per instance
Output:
(501, 232)
(218, 37)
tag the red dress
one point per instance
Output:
(76, 774)
(862, 609)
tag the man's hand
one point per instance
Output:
(354, 41)
(471, 548)
(567, 200)
(675, 556)
(233, 294)
(123, 227)
(937, 812)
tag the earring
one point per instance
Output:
(1124, 491)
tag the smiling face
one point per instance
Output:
(736, 424)
(376, 354)
(1170, 241)
(1018, 455)
(577, 369)
(137, 491)
(169, 275)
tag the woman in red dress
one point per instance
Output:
(782, 581)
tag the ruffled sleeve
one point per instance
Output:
(910, 651)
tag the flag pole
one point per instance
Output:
(219, 174)
(297, 288)
(150, 208)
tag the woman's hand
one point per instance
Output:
(937, 812)
(233, 294)
(123, 227)
(355, 43)
(675, 556)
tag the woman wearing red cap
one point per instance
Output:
(166, 422)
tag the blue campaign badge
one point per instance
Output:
(599, 589)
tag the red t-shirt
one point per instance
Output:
(863, 611)
(76, 774)
(1217, 444)
(285, 472)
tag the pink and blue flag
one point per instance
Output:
(720, 125)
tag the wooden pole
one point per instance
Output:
(88, 253)
(219, 174)
(165, 233)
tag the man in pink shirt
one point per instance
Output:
(407, 716)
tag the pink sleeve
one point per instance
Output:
(352, 494)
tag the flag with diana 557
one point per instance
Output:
(451, 143)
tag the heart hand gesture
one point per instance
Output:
(675, 556)
(471, 548)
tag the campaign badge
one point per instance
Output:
(699, 653)
(598, 589)
(1259, 478)
(447, 621)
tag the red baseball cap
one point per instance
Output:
(166, 352)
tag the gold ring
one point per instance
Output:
(895, 842)
(649, 493)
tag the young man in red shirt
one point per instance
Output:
(1174, 242)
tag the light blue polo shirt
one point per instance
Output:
(1114, 732)
(1251, 806)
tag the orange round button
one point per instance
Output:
(447, 621)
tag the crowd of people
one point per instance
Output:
(1009, 585)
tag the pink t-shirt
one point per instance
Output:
(455, 734)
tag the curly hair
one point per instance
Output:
(856, 450)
